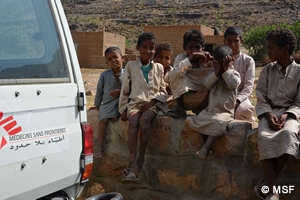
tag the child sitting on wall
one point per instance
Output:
(163, 55)
(278, 108)
(107, 94)
(245, 65)
(143, 87)
(186, 78)
(222, 82)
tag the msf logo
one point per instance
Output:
(9, 125)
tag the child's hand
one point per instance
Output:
(227, 63)
(208, 57)
(115, 93)
(94, 108)
(196, 56)
(124, 116)
(148, 105)
(282, 118)
(217, 67)
(274, 123)
(209, 64)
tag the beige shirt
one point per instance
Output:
(186, 76)
(278, 93)
(135, 89)
(222, 96)
(277, 90)
(245, 65)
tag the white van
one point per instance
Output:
(46, 144)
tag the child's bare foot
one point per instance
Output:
(98, 153)
(203, 153)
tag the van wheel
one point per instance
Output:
(107, 196)
(55, 196)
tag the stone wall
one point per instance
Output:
(172, 171)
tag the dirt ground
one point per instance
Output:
(90, 78)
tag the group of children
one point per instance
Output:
(217, 89)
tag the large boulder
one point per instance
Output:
(173, 171)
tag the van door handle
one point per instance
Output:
(81, 101)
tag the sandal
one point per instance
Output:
(131, 177)
(176, 113)
(271, 197)
(126, 172)
(257, 189)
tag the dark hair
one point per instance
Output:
(111, 49)
(163, 46)
(283, 37)
(296, 57)
(221, 52)
(193, 34)
(216, 31)
(145, 36)
(233, 30)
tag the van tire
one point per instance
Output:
(60, 195)
(107, 196)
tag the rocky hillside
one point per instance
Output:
(128, 17)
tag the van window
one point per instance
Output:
(30, 49)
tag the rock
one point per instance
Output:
(74, 26)
(173, 171)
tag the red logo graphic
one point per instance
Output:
(9, 128)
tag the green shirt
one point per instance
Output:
(146, 69)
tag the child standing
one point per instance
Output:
(222, 83)
(163, 55)
(143, 87)
(107, 95)
(277, 108)
(185, 81)
(245, 65)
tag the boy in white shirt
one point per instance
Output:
(245, 65)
